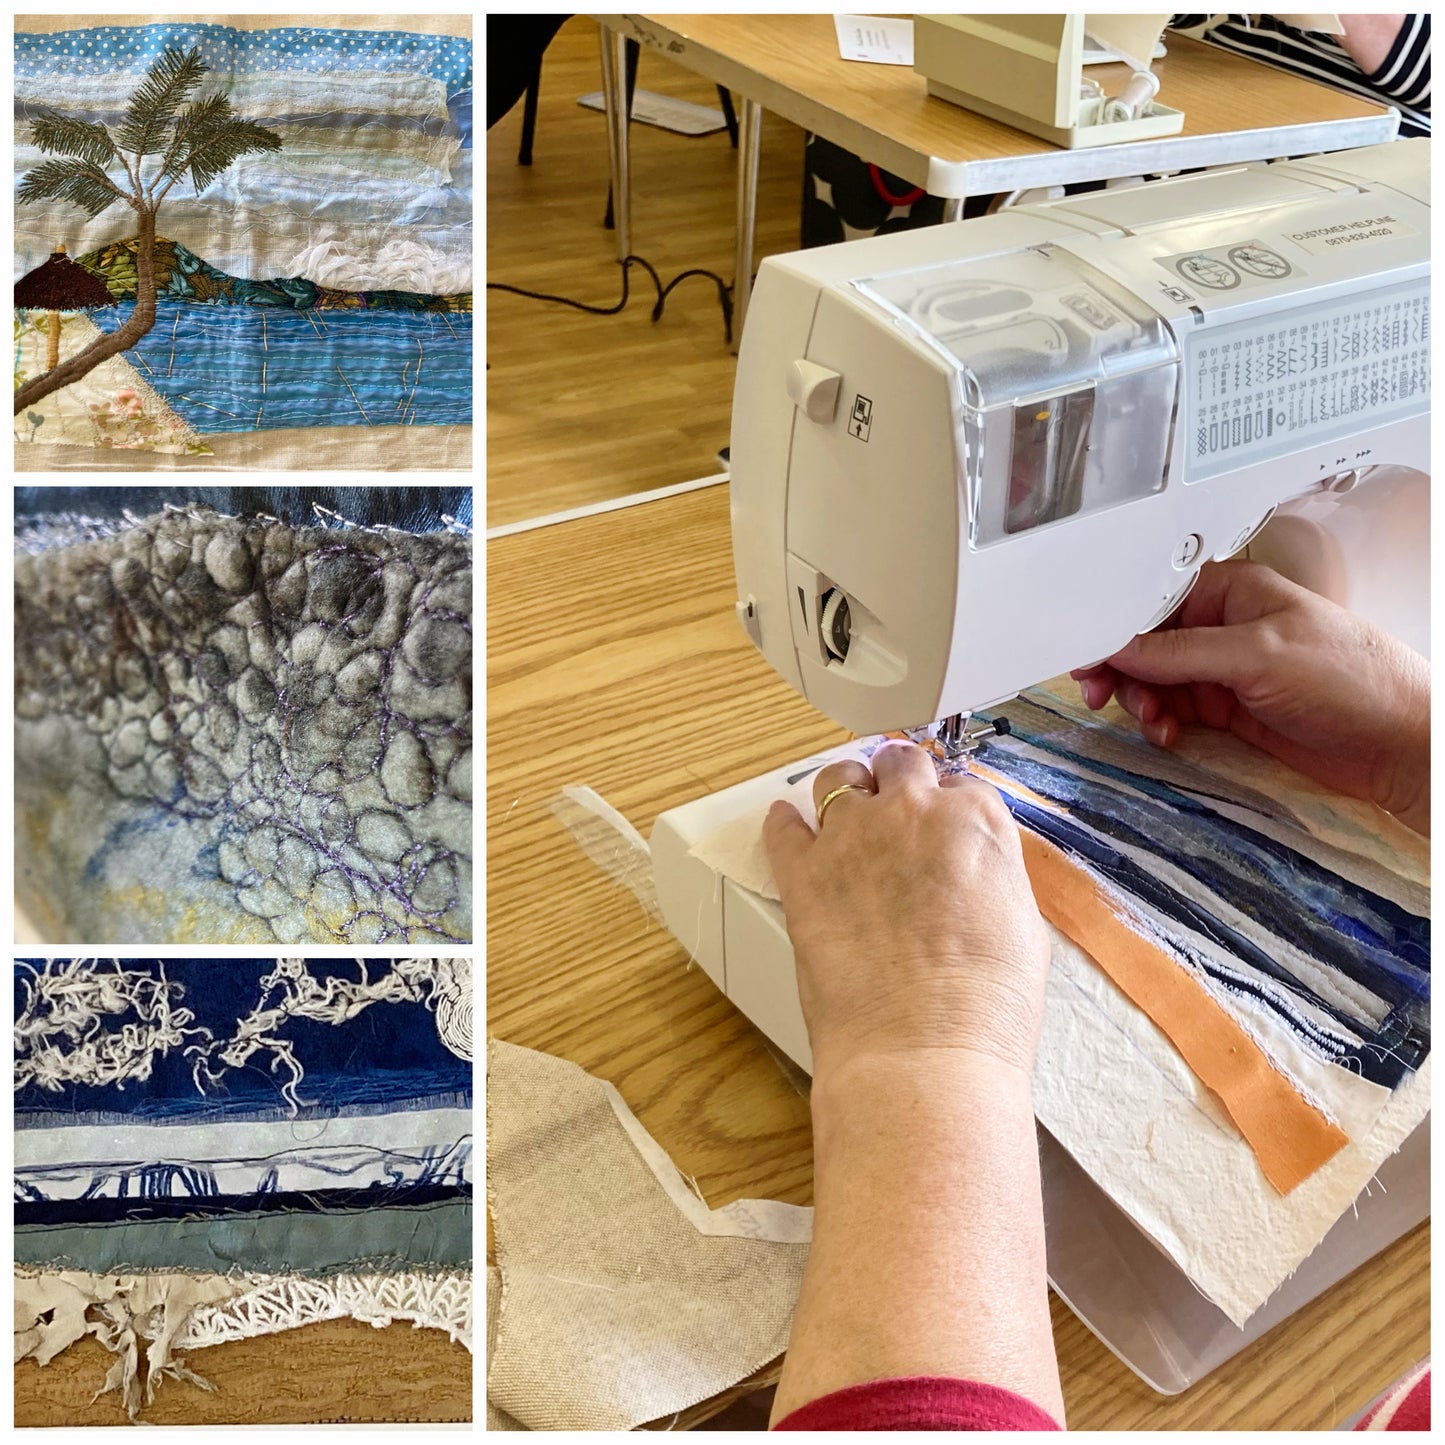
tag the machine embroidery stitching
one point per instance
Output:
(302, 695)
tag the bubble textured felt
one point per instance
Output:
(236, 729)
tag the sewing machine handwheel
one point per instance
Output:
(837, 624)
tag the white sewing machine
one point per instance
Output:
(967, 459)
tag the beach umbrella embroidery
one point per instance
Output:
(60, 285)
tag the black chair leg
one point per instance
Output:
(730, 116)
(529, 117)
(634, 54)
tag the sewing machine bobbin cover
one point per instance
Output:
(968, 458)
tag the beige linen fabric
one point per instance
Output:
(616, 1307)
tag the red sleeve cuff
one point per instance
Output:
(922, 1402)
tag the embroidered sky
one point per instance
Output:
(377, 131)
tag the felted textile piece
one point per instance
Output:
(615, 1309)
(233, 728)
(323, 284)
(1109, 1085)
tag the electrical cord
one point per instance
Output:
(724, 292)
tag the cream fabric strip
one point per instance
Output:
(624, 1298)
(324, 448)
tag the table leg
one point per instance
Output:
(953, 209)
(614, 95)
(750, 138)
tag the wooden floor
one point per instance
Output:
(581, 408)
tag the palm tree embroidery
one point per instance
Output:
(200, 137)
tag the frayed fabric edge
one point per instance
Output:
(144, 1319)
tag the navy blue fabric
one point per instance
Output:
(388, 1057)
(105, 1211)
(410, 509)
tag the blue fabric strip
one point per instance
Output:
(1348, 930)
(305, 49)
(388, 1054)
(208, 1206)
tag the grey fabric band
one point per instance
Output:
(321, 1243)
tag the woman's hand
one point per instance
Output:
(1290, 672)
(913, 923)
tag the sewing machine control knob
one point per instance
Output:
(814, 390)
(837, 624)
(1188, 550)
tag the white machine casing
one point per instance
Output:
(1011, 443)
(966, 583)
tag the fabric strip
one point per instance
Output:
(134, 1143)
(435, 1234)
(1289, 1136)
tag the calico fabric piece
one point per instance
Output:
(325, 285)
(169, 1115)
(1304, 915)
(620, 1303)
(238, 728)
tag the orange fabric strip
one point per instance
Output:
(1289, 1136)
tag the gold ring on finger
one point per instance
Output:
(838, 793)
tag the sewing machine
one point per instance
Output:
(969, 458)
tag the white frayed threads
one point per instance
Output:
(87, 1021)
(61, 1036)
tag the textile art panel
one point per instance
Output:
(1237, 1030)
(211, 1150)
(250, 724)
(311, 272)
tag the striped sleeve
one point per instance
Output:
(1405, 74)
(1402, 80)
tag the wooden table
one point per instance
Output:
(614, 660)
(1235, 110)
